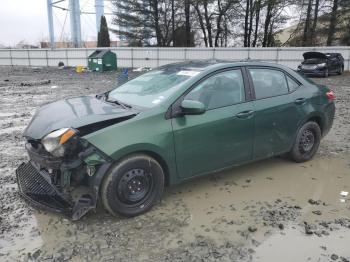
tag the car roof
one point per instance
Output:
(201, 65)
(333, 54)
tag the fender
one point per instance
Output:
(317, 116)
(165, 159)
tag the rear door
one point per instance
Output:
(223, 135)
(278, 110)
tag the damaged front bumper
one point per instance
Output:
(34, 187)
(46, 182)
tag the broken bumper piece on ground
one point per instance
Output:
(36, 188)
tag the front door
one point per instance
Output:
(223, 135)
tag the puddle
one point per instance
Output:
(261, 205)
(294, 246)
(228, 194)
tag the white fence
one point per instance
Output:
(153, 57)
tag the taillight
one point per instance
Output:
(330, 95)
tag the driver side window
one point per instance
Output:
(220, 90)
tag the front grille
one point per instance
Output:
(36, 188)
(309, 67)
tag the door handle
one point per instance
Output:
(300, 101)
(245, 114)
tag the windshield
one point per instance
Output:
(151, 88)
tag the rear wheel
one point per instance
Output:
(133, 186)
(306, 143)
(326, 73)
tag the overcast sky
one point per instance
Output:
(27, 20)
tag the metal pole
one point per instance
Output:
(99, 9)
(132, 57)
(158, 57)
(28, 58)
(349, 60)
(74, 8)
(50, 20)
(67, 60)
(47, 59)
(86, 57)
(11, 57)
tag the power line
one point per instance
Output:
(64, 24)
(76, 12)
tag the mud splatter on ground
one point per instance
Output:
(273, 210)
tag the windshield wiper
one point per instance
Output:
(115, 101)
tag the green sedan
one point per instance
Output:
(168, 125)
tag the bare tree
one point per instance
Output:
(332, 23)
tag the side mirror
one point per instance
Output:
(191, 107)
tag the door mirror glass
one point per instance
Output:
(191, 107)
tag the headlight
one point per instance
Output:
(321, 65)
(54, 141)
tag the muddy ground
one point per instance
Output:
(273, 210)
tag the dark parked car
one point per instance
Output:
(321, 64)
(166, 126)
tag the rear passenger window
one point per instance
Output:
(268, 82)
(292, 84)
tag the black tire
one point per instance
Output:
(306, 143)
(341, 70)
(132, 186)
(326, 73)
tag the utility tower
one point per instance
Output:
(50, 20)
(75, 27)
(75, 12)
(99, 9)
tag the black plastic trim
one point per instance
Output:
(30, 180)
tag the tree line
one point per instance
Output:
(222, 23)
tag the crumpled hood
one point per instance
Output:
(73, 112)
(309, 55)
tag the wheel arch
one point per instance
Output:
(160, 160)
(315, 118)
(150, 150)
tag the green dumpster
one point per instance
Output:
(102, 60)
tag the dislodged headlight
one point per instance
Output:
(321, 65)
(54, 141)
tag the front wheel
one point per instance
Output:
(306, 143)
(132, 186)
(326, 73)
(341, 70)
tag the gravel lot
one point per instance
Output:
(273, 210)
